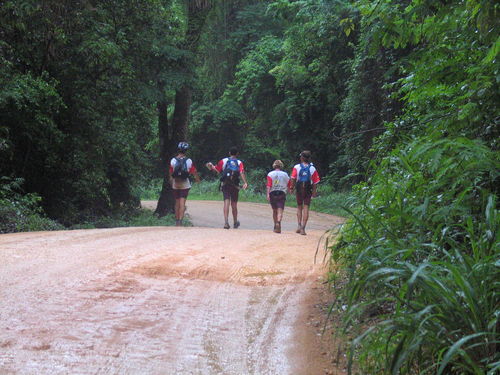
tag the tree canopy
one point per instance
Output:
(397, 100)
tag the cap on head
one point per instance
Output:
(278, 164)
(183, 146)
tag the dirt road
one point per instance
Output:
(163, 300)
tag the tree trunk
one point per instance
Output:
(166, 201)
(197, 15)
(181, 114)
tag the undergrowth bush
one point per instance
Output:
(129, 218)
(421, 260)
(21, 212)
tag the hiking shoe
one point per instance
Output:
(178, 223)
(236, 225)
(226, 226)
(299, 228)
(303, 231)
(277, 227)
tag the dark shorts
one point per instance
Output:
(277, 199)
(180, 193)
(230, 192)
(304, 198)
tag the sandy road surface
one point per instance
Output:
(160, 301)
(251, 216)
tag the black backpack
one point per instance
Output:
(180, 169)
(231, 172)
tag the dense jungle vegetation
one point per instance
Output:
(398, 101)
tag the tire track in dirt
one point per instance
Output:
(157, 301)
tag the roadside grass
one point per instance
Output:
(328, 200)
(416, 268)
(135, 218)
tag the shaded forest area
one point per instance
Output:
(398, 101)
(95, 95)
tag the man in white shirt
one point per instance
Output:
(180, 169)
(277, 187)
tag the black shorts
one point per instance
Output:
(231, 192)
(277, 199)
(303, 198)
(180, 193)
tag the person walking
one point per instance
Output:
(231, 169)
(277, 187)
(181, 167)
(304, 180)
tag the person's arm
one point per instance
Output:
(210, 167)
(293, 178)
(213, 168)
(243, 175)
(315, 180)
(268, 187)
(169, 172)
(314, 190)
(194, 172)
(244, 178)
(196, 177)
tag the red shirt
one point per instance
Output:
(222, 164)
(314, 173)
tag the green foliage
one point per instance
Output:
(421, 257)
(285, 76)
(421, 250)
(450, 80)
(21, 212)
(129, 218)
(78, 98)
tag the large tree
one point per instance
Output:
(76, 99)
(197, 12)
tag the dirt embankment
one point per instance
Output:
(162, 301)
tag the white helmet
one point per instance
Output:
(183, 146)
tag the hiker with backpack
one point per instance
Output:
(181, 167)
(277, 187)
(230, 169)
(304, 181)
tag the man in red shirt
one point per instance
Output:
(231, 169)
(304, 180)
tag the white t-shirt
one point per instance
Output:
(181, 183)
(277, 180)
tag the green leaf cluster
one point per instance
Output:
(79, 85)
(421, 255)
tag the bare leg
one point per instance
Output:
(305, 217)
(177, 210)
(182, 208)
(299, 217)
(279, 215)
(226, 210)
(234, 208)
